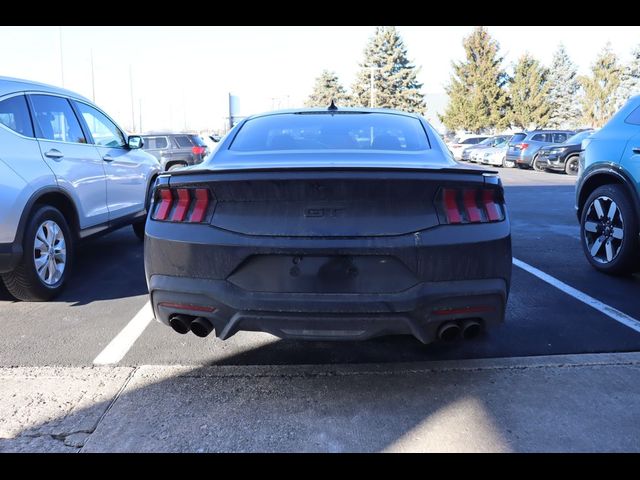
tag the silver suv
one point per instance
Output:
(67, 172)
(176, 150)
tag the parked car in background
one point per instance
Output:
(495, 156)
(474, 152)
(608, 193)
(460, 143)
(523, 147)
(176, 150)
(296, 228)
(563, 157)
(67, 172)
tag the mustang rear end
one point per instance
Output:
(298, 247)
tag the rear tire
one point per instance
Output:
(536, 166)
(138, 229)
(25, 282)
(618, 237)
(571, 165)
(507, 164)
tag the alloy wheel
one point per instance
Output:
(50, 252)
(604, 229)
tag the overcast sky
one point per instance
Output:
(181, 75)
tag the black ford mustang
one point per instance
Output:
(329, 224)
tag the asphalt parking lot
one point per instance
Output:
(108, 290)
(91, 372)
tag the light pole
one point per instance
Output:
(372, 87)
(133, 118)
(93, 81)
(61, 61)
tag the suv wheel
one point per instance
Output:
(536, 165)
(47, 258)
(609, 231)
(176, 166)
(508, 164)
(571, 165)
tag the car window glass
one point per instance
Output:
(161, 142)
(56, 119)
(14, 114)
(321, 131)
(634, 117)
(104, 131)
(559, 137)
(539, 137)
(183, 141)
(518, 137)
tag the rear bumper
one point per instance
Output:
(10, 255)
(447, 273)
(418, 311)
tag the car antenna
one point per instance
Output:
(332, 107)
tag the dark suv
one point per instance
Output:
(523, 147)
(176, 150)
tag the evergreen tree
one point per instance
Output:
(477, 96)
(327, 88)
(601, 95)
(395, 78)
(564, 87)
(630, 84)
(528, 91)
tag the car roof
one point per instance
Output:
(339, 110)
(11, 85)
(165, 134)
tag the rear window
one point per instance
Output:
(197, 140)
(183, 141)
(325, 131)
(473, 141)
(517, 138)
(15, 115)
(151, 143)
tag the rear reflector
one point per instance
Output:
(469, 205)
(192, 205)
(185, 306)
(463, 310)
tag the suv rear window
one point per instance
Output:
(14, 114)
(517, 138)
(326, 131)
(197, 140)
(183, 141)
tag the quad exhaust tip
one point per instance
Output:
(180, 323)
(201, 327)
(448, 331)
(471, 329)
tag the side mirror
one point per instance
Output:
(135, 141)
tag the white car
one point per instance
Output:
(460, 143)
(494, 156)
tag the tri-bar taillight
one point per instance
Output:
(469, 205)
(188, 205)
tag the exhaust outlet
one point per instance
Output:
(471, 329)
(180, 323)
(448, 331)
(201, 327)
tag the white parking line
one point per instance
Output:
(120, 345)
(609, 311)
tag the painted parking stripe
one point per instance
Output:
(609, 311)
(120, 345)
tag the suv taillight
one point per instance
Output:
(522, 146)
(188, 205)
(469, 205)
(198, 150)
